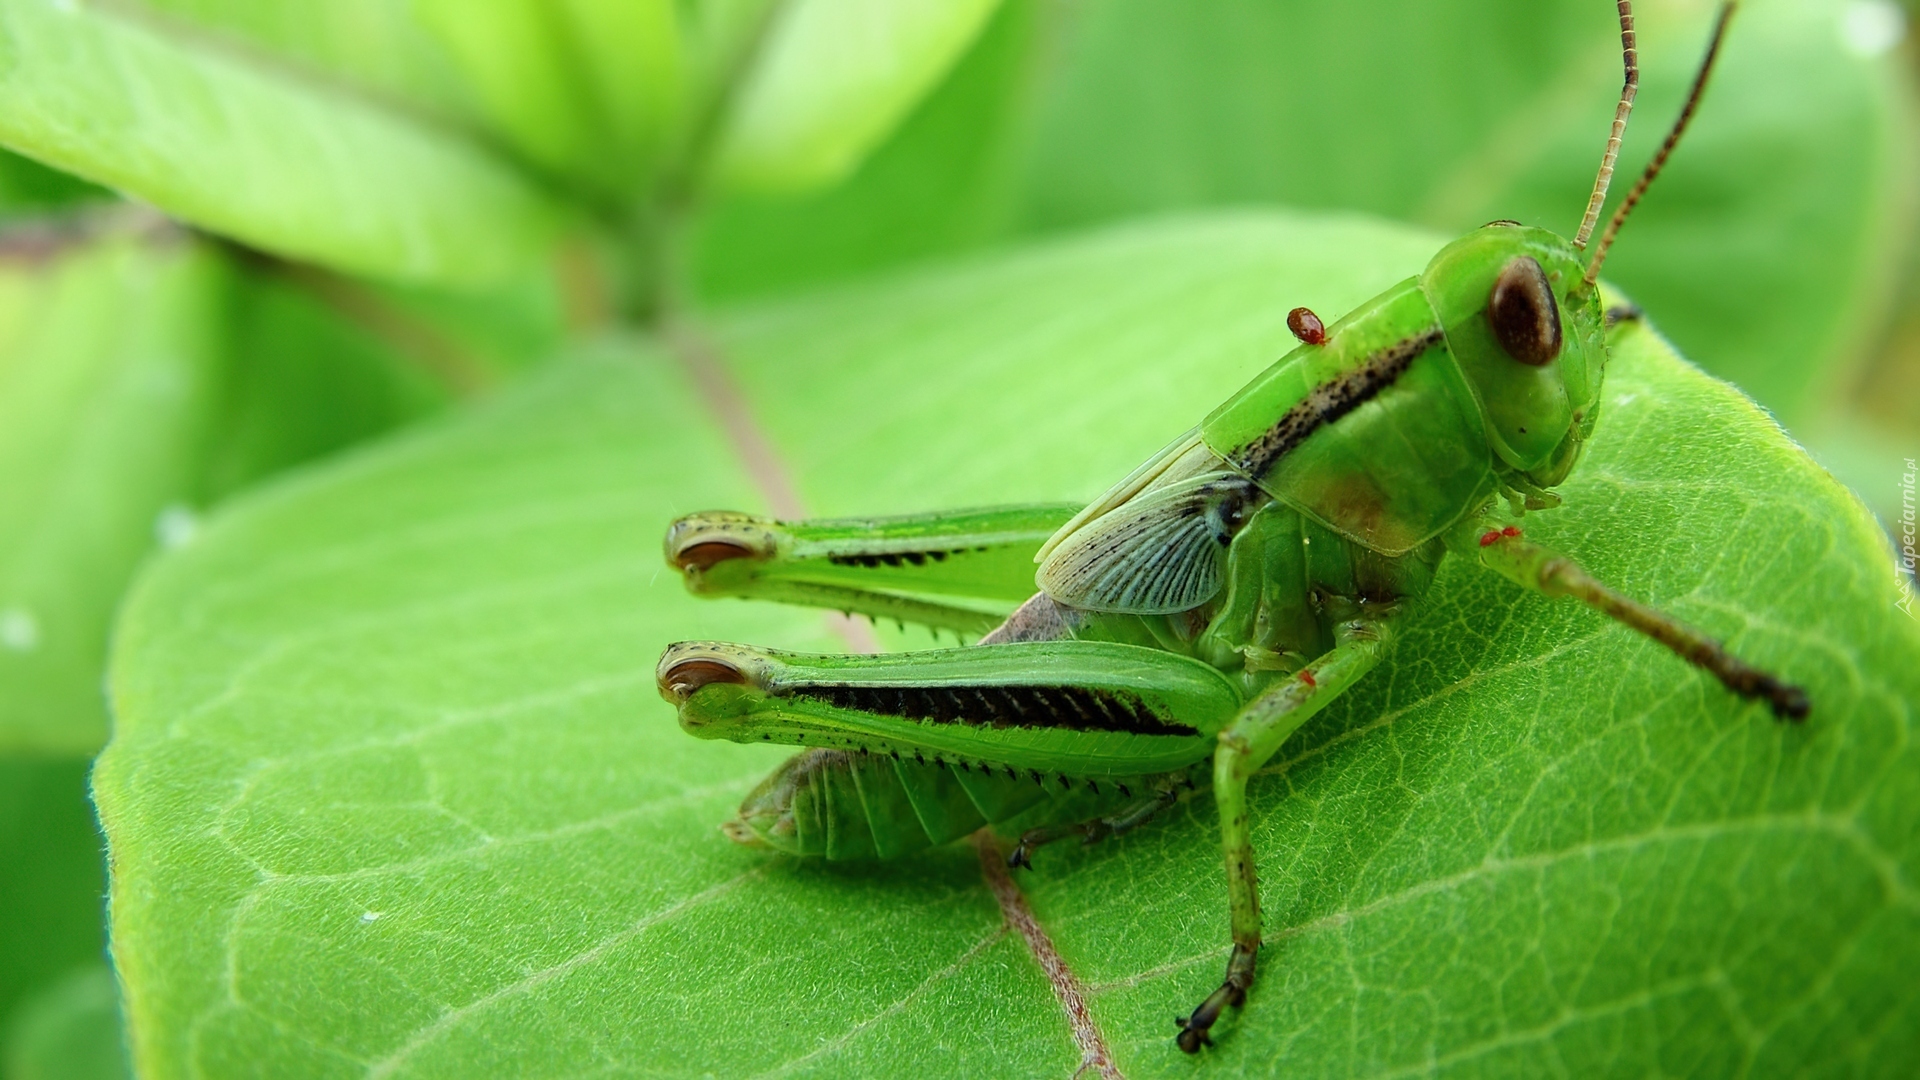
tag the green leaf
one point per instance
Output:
(71, 1031)
(392, 793)
(1767, 244)
(832, 79)
(53, 877)
(284, 162)
(110, 365)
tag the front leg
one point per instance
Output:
(1253, 737)
(1505, 551)
(962, 570)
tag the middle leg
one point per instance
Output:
(1128, 817)
(1253, 737)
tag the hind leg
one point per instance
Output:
(962, 570)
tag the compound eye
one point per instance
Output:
(1526, 321)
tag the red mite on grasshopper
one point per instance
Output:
(1193, 617)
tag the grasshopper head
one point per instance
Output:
(1528, 332)
(1521, 305)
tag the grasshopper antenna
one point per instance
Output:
(1659, 159)
(1630, 56)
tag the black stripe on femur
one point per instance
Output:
(899, 558)
(1332, 400)
(1079, 708)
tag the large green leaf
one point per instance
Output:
(392, 794)
(1768, 241)
(286, 162)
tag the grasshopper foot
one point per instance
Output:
(1195, 1029)
(1788, 702)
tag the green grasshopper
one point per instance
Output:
(1198, 613)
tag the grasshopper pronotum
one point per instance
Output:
(1198, 613)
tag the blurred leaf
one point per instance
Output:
(1764, 249)
(26, 186)
(942, 184)
(1873, 461)
(584, 88)
(504, 331)
(144, 378)
(53, 876)
(109, 366)
(379, 47)
(231, 143)
(604, 94)
(832, 79)
(70, 1031)
(392, 793)
(305, 380)
(631, 65)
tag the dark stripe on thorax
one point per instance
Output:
(1332, 400)
(1077, 708)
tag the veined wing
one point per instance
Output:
(1155, 553)
(1170, 455)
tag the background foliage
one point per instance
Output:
(337, 304)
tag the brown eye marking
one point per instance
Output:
(1525, 318)
(1507, 223)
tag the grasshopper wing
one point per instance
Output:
(1175, 455)
(1155, 553)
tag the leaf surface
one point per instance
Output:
(392, 793)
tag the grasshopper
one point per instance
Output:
(1197, 614)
